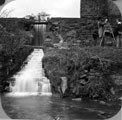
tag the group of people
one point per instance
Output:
(105, 27)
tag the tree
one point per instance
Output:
(43, 16)
(6, 13)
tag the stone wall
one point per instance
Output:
(93, 8)
(90, 11)
(68, 24)
(84, 27)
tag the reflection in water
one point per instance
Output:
(47, 108)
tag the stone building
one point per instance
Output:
(91, 10)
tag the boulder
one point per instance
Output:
(63, 84)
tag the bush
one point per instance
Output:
(88, 70)
(12, 50)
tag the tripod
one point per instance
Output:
(107, 29)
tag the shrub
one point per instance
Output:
(88, 70)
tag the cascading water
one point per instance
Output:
(31, 79)
(39, 34)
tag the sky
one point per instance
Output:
(56, 8)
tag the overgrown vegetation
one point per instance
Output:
(89, 70)
(12, 50)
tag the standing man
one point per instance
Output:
(118, 33)
(100, 24)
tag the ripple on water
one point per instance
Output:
(47, 107)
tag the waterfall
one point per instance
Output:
(31, 79)
(39, 34)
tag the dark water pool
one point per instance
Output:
(47, 108)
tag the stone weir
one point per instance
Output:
(40, 29)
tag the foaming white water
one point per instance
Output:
(31, 79)
(40, 32)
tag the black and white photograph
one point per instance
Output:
(61, 59)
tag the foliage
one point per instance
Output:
(15, 24)
(13, 51)
(88, 70)
(12, 42)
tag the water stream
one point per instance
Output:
(39, 34)
(31, 98)
(31, 79)
(48, 107)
